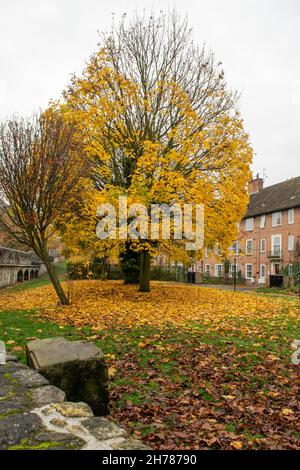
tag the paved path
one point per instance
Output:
(216, 286)
(227, 287)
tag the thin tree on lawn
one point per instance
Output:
(40, 172)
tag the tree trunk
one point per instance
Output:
(55, 281)
(145, 260)
(130, 264)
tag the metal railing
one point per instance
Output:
(12, 257)
(275, 253)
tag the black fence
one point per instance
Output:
(158, 273)
(114, 272)
(224, 280)
(178, 274)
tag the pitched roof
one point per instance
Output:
(277, 197)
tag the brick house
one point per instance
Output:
(268, 245)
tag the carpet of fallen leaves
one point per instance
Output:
(190, 367)
(105, 304)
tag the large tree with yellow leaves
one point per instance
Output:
(161, 126)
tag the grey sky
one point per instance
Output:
(258, 41)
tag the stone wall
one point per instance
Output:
(12, 257)
(35, 416)
(8, 276)
(18, 266)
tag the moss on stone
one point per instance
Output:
(9, 377)
(10, 412)
(8, 396)
(25, 445)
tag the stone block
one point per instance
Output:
(103, 428)
(16, 428)
(29, 378)
(76, 367)
(73, 410)
(48, 394)
(67, 440)
(130, 444)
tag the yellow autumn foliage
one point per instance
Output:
(200, 159)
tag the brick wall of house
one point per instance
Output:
(265, 258)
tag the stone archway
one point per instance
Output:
(32, 274)
(36, 274)
(26, 275)
(20, 277)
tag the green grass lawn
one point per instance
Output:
(166, 385)
(293, 292)
(190, 388)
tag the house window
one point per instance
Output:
(276, 245)
(262, 271)
(249, 247)
(276, 219)
(262, 221)
(291, 216)
(234, 269)
(249, 224)
(249, 271)
(291, 270)
(291, 242)
(234, 249)
(263, 245)
(207, 269)
(218, 270)
(217, 249)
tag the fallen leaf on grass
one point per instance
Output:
(112, 371)
(236, 445)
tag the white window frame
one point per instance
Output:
(276, 219)
(261, 245)
(291, 270)
(249, 252)
(234, 249)
(231, 272)
(262, 223)
(291, 216)
(260, 271)
(272, 243)
(249, 224)
(246, 271)
(216, 270)
(291, 243)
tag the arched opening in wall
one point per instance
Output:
(26, 275)
(36, 273)
(32, 275)
(20, 277)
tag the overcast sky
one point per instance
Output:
(258, 41)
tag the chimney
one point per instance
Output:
(256, 184)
